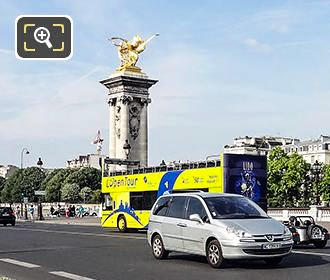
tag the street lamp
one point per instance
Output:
(26, 152)
(40, 163)
(127, 148)
(316, 168)
(40, 216)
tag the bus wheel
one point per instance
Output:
(121, 224)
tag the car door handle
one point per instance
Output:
(181, 225)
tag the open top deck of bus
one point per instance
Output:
(162, 168)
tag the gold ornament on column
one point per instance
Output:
(128, 51)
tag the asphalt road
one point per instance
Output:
(50, 251)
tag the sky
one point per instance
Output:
(225, 69)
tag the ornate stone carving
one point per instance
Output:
(112, 101)
(145, 101)
(126, 99)
(117, 121)
(134, 119)
(139, 90)
(116, 89)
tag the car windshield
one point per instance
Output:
(234, 207)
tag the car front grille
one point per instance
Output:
(266, 252)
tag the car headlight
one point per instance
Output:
(237, 232)
(287, 234)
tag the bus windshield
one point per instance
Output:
(233, 207)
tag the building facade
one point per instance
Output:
(89, 160)
(257, 145)
(7, 170)
(312, 150)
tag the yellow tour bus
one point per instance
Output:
(128, 196)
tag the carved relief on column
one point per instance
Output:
(117, 120)
(145, 101)
(134, 119)
(135, 109)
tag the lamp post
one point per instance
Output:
(40, 163)
(40, 216)
(316, 168)
(24, 151)
(127, 148)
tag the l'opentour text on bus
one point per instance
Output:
(129, 196)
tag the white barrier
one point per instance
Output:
(319, 213)
(90, 208)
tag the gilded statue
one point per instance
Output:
(128, 51)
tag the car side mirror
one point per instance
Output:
(196, 218)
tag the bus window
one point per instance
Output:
(107, 202)
(142, 200)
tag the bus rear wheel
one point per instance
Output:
(121, 224)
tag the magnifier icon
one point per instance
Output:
(42, 35)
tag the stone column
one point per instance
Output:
(129, 119)
(143, 143)
(112, 130)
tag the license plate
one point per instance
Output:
(272, 246)
(5, 215)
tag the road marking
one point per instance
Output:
(311, 253)
(25, 264)
(80, 233)
(69, 275)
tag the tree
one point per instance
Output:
(2, 183)
(86, 194)
(294, 179)
(23, 182)
(286, 179)
(86, 177)
(70, 192)
(277, 164)
(54, 182)
(96, 197)
(325, 183)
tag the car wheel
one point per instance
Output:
(314, 232)
(320, 244)
(273, 261)
(4, 225)
(214, 254)
(94, 214)
(158, 249)
(13, 224)
(121, 224)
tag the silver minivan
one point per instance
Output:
(218, 226)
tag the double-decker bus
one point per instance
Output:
(129, 195)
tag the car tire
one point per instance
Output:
(312, 229)
(320, 244)
(158, 249)
(122, 224)
(273, 261)
(94, 214)
(13, 224)
(214, 254)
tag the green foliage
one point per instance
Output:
(286, 179)
(86, 177)
(86, 194)
(23, 182)
(2, 183)
(96, 197)
(325, 183)
(70, 192)
(54, 182)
